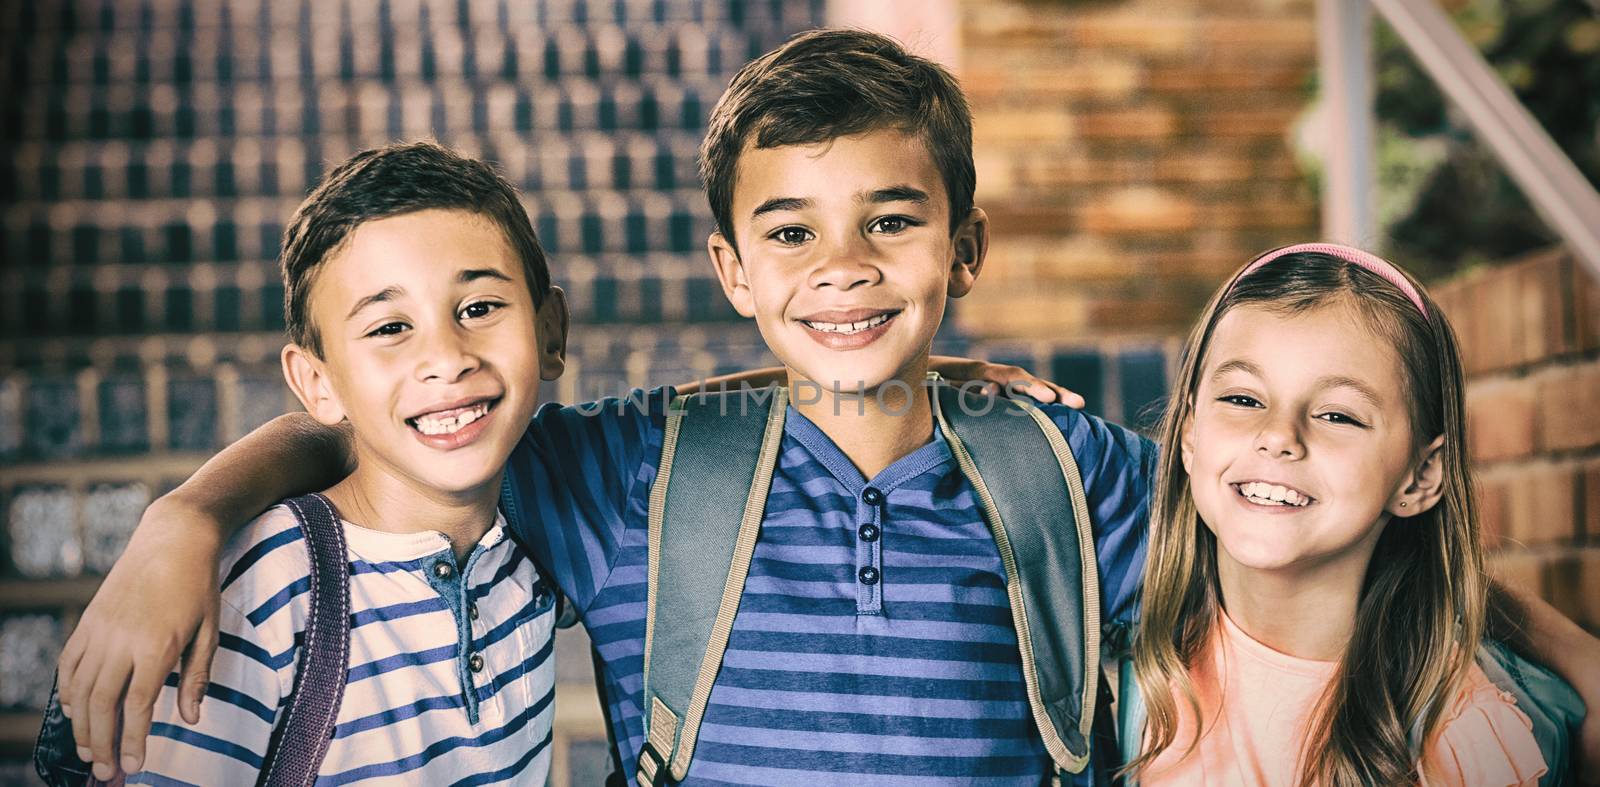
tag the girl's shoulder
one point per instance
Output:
(1483, 739)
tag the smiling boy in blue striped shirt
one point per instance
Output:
(415, 290)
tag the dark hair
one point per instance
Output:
(1421, 608)
(388, 181)
(825, 84)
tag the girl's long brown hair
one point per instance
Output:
(1421, 609)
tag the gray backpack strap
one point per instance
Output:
(1040, 521)
(717, 458)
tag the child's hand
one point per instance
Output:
(1004, 379)
(158, 602)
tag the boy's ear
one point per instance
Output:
(1421, 489)
(308, 378)
(730, 272)
(971, 246)
(552, 334)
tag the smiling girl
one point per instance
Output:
(1315, 586)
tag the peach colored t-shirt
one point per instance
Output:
(1258, 701)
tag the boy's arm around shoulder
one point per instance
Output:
(159, 601)
(1536, 629)
(228, 744)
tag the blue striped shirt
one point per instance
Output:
(414, 709)
(912, 679)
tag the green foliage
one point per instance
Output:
(1447, 202)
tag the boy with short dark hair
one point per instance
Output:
(420, 311)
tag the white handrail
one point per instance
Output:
(1558, 191)
(1344, 62)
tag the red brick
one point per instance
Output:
(1573, 582)
(1294, 35)
(1140, 210)
(1546, 304)
(1273, 123)
(1500, 420)
(1300, 216)
(1148, 122)
(1502, 310)
(1589, 515)
(1585, 306)
(1097, 78)
(1188, 77)
(1492, 510)
(1569, 399)
(1542, 503)
(1520, 569)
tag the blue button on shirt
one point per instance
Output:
(888, 659)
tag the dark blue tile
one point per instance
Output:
(605, 299)
(272, 306)
(123, 415)
(86, 244)
(54, 426)
(1084, 372)
(192, 414)
(1144, 387)
(261, 399)
(179, 242)
(227, 307)
(180, 309)
(129, 310)
(680, 231)
(593, 233)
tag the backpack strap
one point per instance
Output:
(305, 727)
(1549, 702)
(1039, 518)
(698, 560)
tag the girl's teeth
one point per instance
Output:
(1272, 494)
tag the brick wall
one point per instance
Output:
(1530, 337)
(1130, 153)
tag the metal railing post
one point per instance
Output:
(1344, 49)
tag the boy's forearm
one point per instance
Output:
(289, 455)
(1534, 628)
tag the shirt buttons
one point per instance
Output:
(475, 662)
(868, 532)
(472, 611)
(871, 496)
(868, 575)
(443, 569)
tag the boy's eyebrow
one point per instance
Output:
(896, 194)
(473, 274)
(386, 294)
(1236, 365)
(780, 203)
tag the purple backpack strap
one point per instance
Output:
(305, 728)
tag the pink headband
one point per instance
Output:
(1356, 257)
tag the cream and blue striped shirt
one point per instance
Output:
(451, 677)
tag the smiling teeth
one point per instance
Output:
(849, 327)
(1273, 495)
(436, 424)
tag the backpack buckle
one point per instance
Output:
(652, 766)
